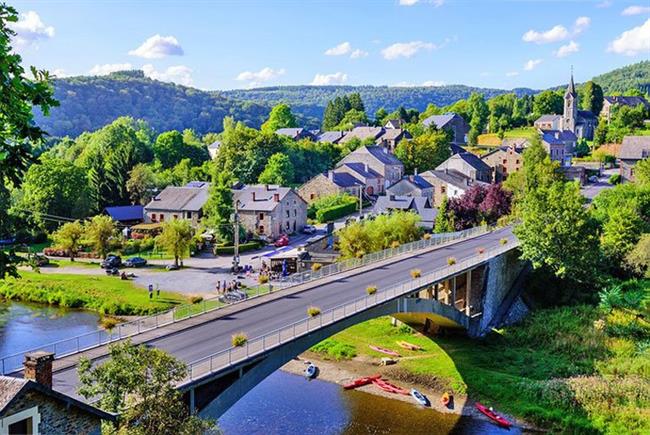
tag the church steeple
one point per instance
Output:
(571, 89)
(570, 106)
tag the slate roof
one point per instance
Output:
(361, 169)
(439, 120)
(635, 148)
(586, 114)
(394, 123)
(363, 133)
(456, 149)
(474, 161)
(174, 198)
(558, 136)
(515, 142)
(502, 148)
(453, 177)
(9, 388)
(548, 118)
(125, 213)
(381, 154)
(264, 197)
(626, 101)
(415, 181)
(291, 132)
(343, 179)
(419, 204)
(330, 136)
(394, 133)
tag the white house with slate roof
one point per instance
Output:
(178, 203)
(468, 164)
(379, 160)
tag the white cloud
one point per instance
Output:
(565, 50)
(532, 64)
(358, 53)
(604, 4)
(30, 29)
(59, 73)
(636, 10)
(180, 74)
(158, 47)
(557, 33)
(436, 3)
(405, 49)
(512, 74)
(632, 42)
(433, 83)
(329, 79)
(256, 78)
(107, 68)
(340, 50)
(426, 84)
(407, 2)
(581, 24)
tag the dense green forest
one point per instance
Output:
(629, 77)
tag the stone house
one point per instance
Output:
(417, 204)
(295, 133)
(329, 183)
(468, 164)
(330, 136)
(392, 137)
(379, 160)
(29, 405)
(412, 186)
(394, 123)
(504, 161)
(270, 210)
(631, 101)
(448, 182)
(559, 145)
(451, 122)
(178, 203)
(632, 151)
(372, 181)
(549, 122)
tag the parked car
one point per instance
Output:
(112, 261)
(309, 229)
(135, 262)
(283, 240)
(593, 179)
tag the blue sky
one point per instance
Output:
(225, 44)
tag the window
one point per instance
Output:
(262, 217)
(287, 213)
(24, 422)
(505, 161)
(295, 212)
(153, 217)
(517, 161)
(162, 217)
(188, 215)
(443, 189)
(312, 196)
(175, 216)
(260, 229)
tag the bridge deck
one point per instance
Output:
(214, 335)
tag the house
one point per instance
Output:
(451, 122)
(517, 143)
(504, 161)
(363, 133)
(559, 145)
(392, 137)
(630, 101)
(29, 405)
(178, 203)
(420, 205)
(633, 150)
(413, 185)
(330, 183)
(295, 133)
(127, 215)
(379, 160)
(394, 124)
(213, 149)
(468, 164)
(582, 123)
(270, 210)
(330, 136)
(372, 181)
(448, 182)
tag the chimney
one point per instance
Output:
(365, 167)
(330, 175)
(276, 197)
(385, 150)
(254, 197)
(267, 187)
(38, 367)
(415, 171)
(446, 170)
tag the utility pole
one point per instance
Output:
(360, 200)
(235, 259)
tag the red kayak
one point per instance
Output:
(390, 388)
(384, 350)
(361, 382)
(493, 416)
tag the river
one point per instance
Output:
(283, 404)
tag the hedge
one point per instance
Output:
(333, 213)
(243, 247)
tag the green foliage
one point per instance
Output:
(549, 102)
(358, 239)
(631, 295)
(634, 76)
(582, 148)
(424, 152)
(243, 247)
(444, 219)
(338, 108)
(620, 233)
(591, 97)
(98, 233)
(478, 116)
(219, 206)
(279, 170)
(141, 184)
(335, 349)
(329, 214)
(351, 118)
(331, 202)
(622, 196)
(638, 259)
(176, 238)
(642, 173)
(280, 117)
(239, 339)
(69, 237)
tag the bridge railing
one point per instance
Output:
(90, 340)
(258, 345)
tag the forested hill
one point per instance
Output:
(635, 76)
(311, 100)
(89, 103)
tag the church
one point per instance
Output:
(582, 123)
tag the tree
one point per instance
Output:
(620, 233)
(168, 148)
(444, 220)
(548, 102)
(69, 237)
(219, 206)
(480, 205)
(352, 118)
(175, 238)
(280, 117)
(279, 170)
(479, 114)
(642, 173)
(557, 232)
(18, 132)
(380, 116)
(99, 231)
(138, 382)
(141, 184)
(638, 259)
(424, 152)
(591, 97)
(356, 103)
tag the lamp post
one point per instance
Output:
(235, 259)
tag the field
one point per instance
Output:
(492, 139)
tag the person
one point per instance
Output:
(157, 290)
(218, 286)
(150, 291)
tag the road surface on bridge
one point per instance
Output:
(215, 335)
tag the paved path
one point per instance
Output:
(214, 335)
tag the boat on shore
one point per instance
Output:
(383, 350)
(419, 397)
(501, 421)
(310, 371)
(408, 346)
(390, 388)
(360, 382)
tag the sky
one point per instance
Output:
(228, 44)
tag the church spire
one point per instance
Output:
(572, 87)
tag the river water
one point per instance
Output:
(282, 404)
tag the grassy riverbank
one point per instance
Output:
(104, 294)
(570, 369)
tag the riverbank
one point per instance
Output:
(570, 369)
(102, 294)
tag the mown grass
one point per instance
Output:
(492, 139)
(104, 294)
(570, 369)
(334, 349)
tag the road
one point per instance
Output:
(213, 336)
(591, 190)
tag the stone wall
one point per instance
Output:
(318, 187)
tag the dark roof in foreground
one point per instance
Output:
(382, 154)
(635, 148)
(122, 213)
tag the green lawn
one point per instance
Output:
(104, 294)
(493, 139)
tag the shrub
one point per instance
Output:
(109, 322)
(263, 279)
(338, 211)
(503, 241)
(313, 311)
(316, 267)
(371, 289)
(394, 244)
(615, 179)
(426, 236)
(451, 261)
(239, 339)
(243, 247)
(416, 273)
(196, 299)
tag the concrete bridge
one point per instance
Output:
(465, 285)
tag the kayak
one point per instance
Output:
(361, 382)
(384, 350)
(493, 416)
(390, 388)
(419, 397)
(409, 346)
(445, 399)
(310, 371)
